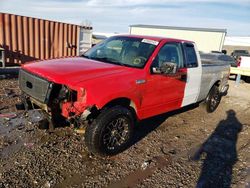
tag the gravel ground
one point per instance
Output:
(185, 148)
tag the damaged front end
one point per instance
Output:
(60, 104)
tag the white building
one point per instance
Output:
(207, 39)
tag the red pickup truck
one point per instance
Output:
(120, 81)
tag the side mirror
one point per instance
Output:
(165, 68)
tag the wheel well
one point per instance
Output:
(217, 83)
(125, 102)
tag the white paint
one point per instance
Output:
(192, 88)
(245, 62)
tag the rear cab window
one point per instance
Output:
(190, 55)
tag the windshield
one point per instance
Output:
(126, 51)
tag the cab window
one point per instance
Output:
(190, 55)
(170, 52)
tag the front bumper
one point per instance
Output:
(52, 98)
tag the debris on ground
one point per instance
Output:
(145, 164)
(29, 144)
(188, 149)
(80, 130)
(8, 116)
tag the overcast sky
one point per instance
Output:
(117, 15)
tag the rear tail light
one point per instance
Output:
(238, 61)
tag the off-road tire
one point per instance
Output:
(213, 99)
(95, 133)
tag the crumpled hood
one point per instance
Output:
(72, 70)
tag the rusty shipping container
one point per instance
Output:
(25, 39)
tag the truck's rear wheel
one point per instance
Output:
(111, 132)
(213, 99)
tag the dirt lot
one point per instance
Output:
(186, 148)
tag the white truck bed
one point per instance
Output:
(211, 71)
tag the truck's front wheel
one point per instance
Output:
(213, 99)
(111, 132)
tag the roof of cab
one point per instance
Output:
(156, 38)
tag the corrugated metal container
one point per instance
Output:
(24, 38)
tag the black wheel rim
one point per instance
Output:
(116, 133)
(215, 100)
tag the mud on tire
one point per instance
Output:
(111, 132)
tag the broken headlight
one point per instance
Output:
(67, 94)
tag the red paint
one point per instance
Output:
(98, 83)
(238, 61)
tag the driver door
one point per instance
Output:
(172, 86)
(163, 93)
